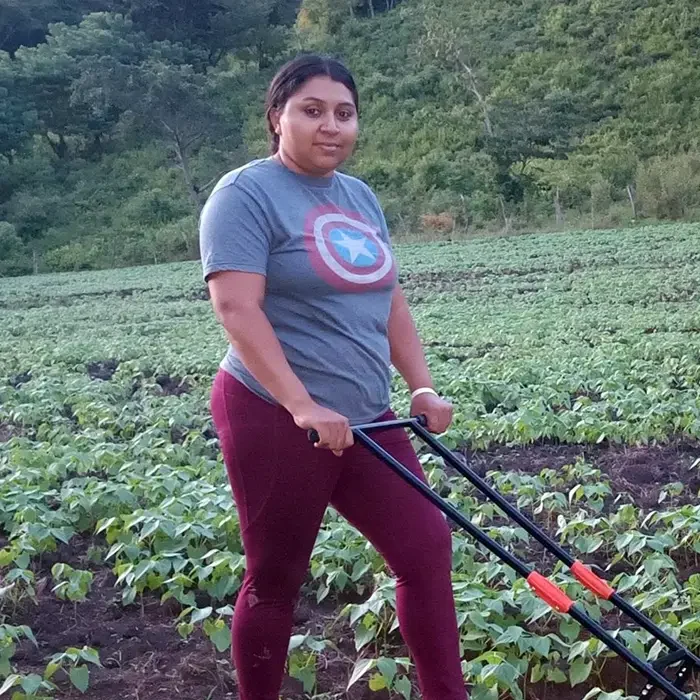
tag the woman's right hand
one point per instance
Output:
(333, 428)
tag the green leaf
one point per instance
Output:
(5, 665)
(403, 685)
(377, 682)
(360, 569)
(537, 673)
(510, 636)
(62, 533)
(363, 636)
(51, 668)
(142, 568)
(149, 529)
(296, 640)
(506, 673)
(10, 682)
(91, 655)
(361, 667)
(556, 675)
(80, 677)
(387, 667)
(128, 596)
(22, 560)
(185, 629)
(29, 634)
(307, 676)
(317, 645)
(200, 614)
(31, 683)
(541, 645)
(579, 671)
(221, 638)
(570, 629)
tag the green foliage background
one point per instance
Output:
(116, 116)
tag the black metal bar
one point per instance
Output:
(669, 660)
(397, 423)
(643, 621)
(522, 569)
(365, 427)
(496, 497)
(643, 667)
(649, 689)
(546, 540)
(443, 505)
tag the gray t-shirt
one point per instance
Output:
(324, 247)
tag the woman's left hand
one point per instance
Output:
(435, 409)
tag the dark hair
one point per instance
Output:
(293, 75)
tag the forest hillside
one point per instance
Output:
(117, 116)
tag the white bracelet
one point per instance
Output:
(423, 390)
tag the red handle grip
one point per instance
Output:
(550, 592)
(592, 581)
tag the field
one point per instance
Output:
(573, 362)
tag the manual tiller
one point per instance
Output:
(542, 586)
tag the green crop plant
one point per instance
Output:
(564, 357)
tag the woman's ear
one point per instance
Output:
(275, 121)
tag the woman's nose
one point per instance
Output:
(330, 124)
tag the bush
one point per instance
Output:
(669, 187)
(15, 258)
(80, 254)
(153, 207)
(444, 222)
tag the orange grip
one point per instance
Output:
(592, 581)
(550, 592)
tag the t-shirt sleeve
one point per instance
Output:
(384, 228)
(233, 233)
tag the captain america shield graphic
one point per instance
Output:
(347, 251)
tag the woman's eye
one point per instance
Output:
(312, 112)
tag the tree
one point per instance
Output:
(161, 97)
(26, 22)
(20, 23)
(17, 118)
(216, 26)
(13, 253)
(47, 75)
(522, 131)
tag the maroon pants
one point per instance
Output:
(282, 486)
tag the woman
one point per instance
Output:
(298, 261)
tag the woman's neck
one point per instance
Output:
(285, 159)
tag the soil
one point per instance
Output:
(141, 652)
(169, 385)
(172, 386)
(103, 369)
(640, 473)
(19, 379)
(9, 430)
(145, 658)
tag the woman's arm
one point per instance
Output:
(406, 349)
(408, 358)
(237, 299)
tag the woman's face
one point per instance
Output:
(318, 126)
